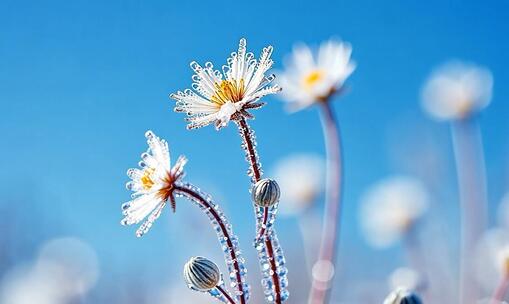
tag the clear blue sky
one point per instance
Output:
(81, 81)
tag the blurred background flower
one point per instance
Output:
(390, 208)
(457, 90)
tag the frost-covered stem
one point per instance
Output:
(471, 174)
(254, 165)
(191, 193)
(225, 294)
(320, 290)
(255, 172)
(500, 292)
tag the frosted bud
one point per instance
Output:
(201, 274)
(402, 296)
(265, 192)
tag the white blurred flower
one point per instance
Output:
(65, 269)
(300, 178)
(405, 277)
(217, 100)
(152, 184)
(390, 207)
(310, 77)
(492, 258)
(457, 90)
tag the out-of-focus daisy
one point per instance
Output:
(217, 100)
(300, 178)
(457, 90)
(310, 77)
(152, 184)
(390, 208)
(492, 258)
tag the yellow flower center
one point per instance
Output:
(312, 78)
(146, 180)
(506, 266)
(228, 91)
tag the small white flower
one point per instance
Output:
(152, 184)
(492, 258)
(390, 208)
(217, 100)
(300, 178)
(457, 90)
(310, 77)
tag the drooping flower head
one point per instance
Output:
(310, 76)
(152, 184)
(220, 97)
(457, 90)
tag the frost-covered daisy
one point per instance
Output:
(457, 90)
(390, 208)
(310, 77)
(152, 184)
(220, 97)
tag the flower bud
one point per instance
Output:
(402, 296)
(265, 192)
(201, 274)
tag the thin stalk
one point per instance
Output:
(225, 294)
(467, 144)
(501, 291)
(256, 174)
(188, 192)
(320, 290)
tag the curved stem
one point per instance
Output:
(255, 172)
(204, 203)
(225, 294)
(470, 169)
(500, 292)
(320, 290)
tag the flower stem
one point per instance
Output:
(223, 231)
(470, 169)
(262, 237)
(225, 294)
(500, 292)
(320, 289)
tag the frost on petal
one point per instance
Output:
(215, 98)
(144, 228)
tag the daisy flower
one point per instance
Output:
(457, 90)
(390, 208)
(152, 184)
(310, 77)
(220, 97)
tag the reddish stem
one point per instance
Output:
(257, 174)
(498, 295)
(320, 291)
(229, 243)
(225, 294)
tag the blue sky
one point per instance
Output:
(81, 81)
